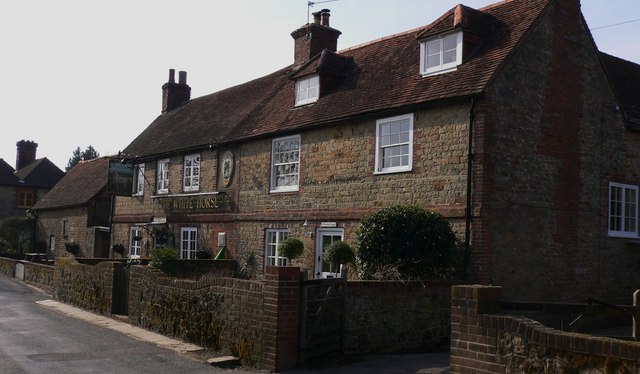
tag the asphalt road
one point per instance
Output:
(35, 339)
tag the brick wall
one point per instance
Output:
(484, 341)
(391, 317)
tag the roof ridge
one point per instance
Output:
(392, 36)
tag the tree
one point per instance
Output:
(405, 242)
(88, 154)
(16, 234)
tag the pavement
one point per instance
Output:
(424, 363)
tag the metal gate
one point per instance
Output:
(321, 318)
(120, 295)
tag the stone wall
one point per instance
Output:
(38, 275)
(337, 185)
(50, 225)
(392, 317)
(550, 144)
(485, 341)
(86, 286)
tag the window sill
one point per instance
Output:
(285, 190)
(392, 171)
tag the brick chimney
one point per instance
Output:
(26, 153)
(175, 95)
(312, 38)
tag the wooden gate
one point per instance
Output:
(321, 318)
(120, 295)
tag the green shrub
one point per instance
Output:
(16, 234)
(291, 248)
(165, 259)
(405, 242)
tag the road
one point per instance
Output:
(35, 339)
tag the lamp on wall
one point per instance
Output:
(305, 227)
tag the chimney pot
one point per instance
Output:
(316, 17)
(312, 38)
(174, 95)
(325, 14)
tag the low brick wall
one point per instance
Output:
(485, 341)
(393, 317)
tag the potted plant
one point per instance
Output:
(291, 248)
(339, 253)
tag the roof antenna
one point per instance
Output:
(309, 5)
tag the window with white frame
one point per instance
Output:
(191, 173)
(441, 54)
(623, 210)
(138, 183)
(273, 239)
(188, 242)
(394, 144)
(162, 185)
(135, 241)
(307, 90)
(285, 164)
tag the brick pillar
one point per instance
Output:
(281, 309)
(473, 345)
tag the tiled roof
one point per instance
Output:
(40, 173)
(625, 77)
(78, 187)
(7, 176)
(382, 75)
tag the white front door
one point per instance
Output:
(324, 238)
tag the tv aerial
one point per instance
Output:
(310, 4)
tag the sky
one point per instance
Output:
(87, 72)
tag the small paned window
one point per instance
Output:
(285, 164)
(135, 242)
(623, 210)
(441, 54)
(307, 90)
(65, 228)
(188, 242)
(273, 240)
(394, 144)
(26, 199)
(163, 176)
(138, 183)
(191, 173)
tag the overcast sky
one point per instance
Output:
(81, 72)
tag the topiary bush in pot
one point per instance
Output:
(291, 248)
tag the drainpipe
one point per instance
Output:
(468, 212)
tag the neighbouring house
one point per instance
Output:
(21, 187)
(507, 120)
(73, 219)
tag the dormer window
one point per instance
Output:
(307, 90)
(441, 54)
